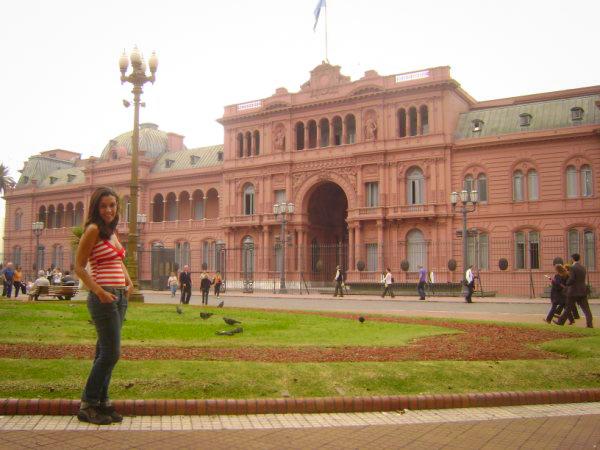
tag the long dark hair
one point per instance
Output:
(106, 230)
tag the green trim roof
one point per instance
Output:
(189, 159)
(63, 177)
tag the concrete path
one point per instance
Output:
(566, 426)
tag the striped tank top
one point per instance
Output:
(105, 263)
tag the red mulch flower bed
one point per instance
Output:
(477, 342)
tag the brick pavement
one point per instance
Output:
(567, 426)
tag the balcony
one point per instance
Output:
(412, 211)
(173, 225)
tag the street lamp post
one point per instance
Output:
(137, 77)
(468, 204)
(37, 228)
(281, 210)
(141, 221)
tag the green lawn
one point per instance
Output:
(160, 325)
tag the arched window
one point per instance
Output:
(416, 187)
(41, 258)
(312, 134)
(248, 257)
(42, 216)
(589, 250)
(401, 114)
(18, 220)
(571, 181)
(248, 201)
(239, 142)
(324, 125)
(482, 187)
(300, 136)
(336, 124)
(478, 250)
(518, 186)
(16, 256)
(51, 217)
(573, 240)
(198, 204)
(412, 119)
(171, 207)
(212, 204)
(183, 209)
(350, 129)
(182, 253)
(70, 215)
(60, 216)
(416, 250)
(256, 143)
(586, 181)
(468, 183)
(532, 185)
(527, 250)
(78, 218)
(57, 256)
(158, 209)
(248, 143)
(424, 113)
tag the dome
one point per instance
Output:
(153, 142)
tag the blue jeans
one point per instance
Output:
(108, 319)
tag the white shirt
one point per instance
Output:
(469, 276)
(388, 278)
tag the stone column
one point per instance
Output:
(358, 242)
(306, 136)
(380, 244)
(344, 141)
(204, 206)
(351, 250)
(318, 135)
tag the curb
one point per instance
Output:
(300, 405)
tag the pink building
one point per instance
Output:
(369, 165)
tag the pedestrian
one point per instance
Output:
(172, 284)
(338, 278)
(185, 285)
(422, 281)
(109, 287)
(218, 282)
(388, 281)
(470, 284)
(576, 293)
(205, 287)
(558, 293)
(8, 273)
(18, 281)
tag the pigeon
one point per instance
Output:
(205, 315)
(179, 310)
(220, 305)
(361, 319)
(230, 332)
(229, 321)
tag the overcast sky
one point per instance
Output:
(60, 87)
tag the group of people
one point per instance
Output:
(13, 280)
(12, 277)
(184, 283)
(568, 290)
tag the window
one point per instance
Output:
(477, 125)
(280, 196)
(182, 254)
(70, 177)
(256, 143)
(41, 258)
(248, 141)
(169, 163)
(482, 187)
(586, 181)
(532, 185)
(57, 256)
(571, 181)
(416, 187)
(219, 156)
(194, 160)
(16, 256)
(78, 218)
(372, 194)
(416, 250)
(527, 258)
(312, 134)
(337, 130)
(518, 186)
(525, 119)
(240, 144)
(412, 121)
(249, 200)
(424, 120)
(575, 239)
(477, 250)
(18, 220)
(324, 126)
(372, 259)
(126, 207)
(53, 180)
(576, 114)
(350, 129)
(248, 257)
(401, 122)
(299, 136)
(468, 183)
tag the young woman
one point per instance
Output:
(109, 285)
(18, 281)
(218, 282)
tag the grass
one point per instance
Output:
(160, 325)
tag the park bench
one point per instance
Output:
(405, 289)
(57, 292)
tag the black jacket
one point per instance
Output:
(558, 293)
(576, 281)
(185, 278)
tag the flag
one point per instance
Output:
(321, 4)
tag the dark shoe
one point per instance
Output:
(557, 322)
(547, 321)
(112, 413)
(92, 414)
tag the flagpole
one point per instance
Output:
(326, 55)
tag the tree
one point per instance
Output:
(6, 182)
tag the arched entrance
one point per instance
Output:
(327, 211)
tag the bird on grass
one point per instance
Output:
(361, 319)
(220, 305)
(179, 310)
(205, 315)
(229, 321)
(230, 332)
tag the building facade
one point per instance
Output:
(370, 166)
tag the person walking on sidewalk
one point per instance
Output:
(109, 287)
(470, 284)
(558, 293)
(576, 293)
(172, 284)
(218, 282)
(387, 284)
(185, 284)
(205, 287)
(422, 281)
(339, 281)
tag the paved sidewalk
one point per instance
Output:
(566, 426)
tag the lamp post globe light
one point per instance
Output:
(37, 228)
(468, 204)
(281, 210)
(137, 77)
